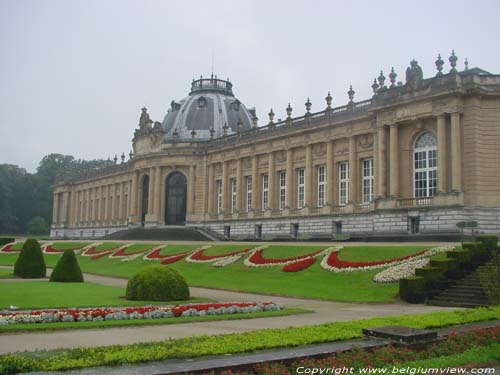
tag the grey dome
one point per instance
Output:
(210, 105)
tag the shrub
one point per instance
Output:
(412, 289)
(6, 240)
(30, 263)
(463, 257)
(38, 225)
(490, 279)
(157, 283)
(67, 269)
(450, 266)
(479, 251)
(490, 241)
(431, 275)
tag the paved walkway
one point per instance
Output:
(323, 312)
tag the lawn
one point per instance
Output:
(314, 282)
(5, 273)
(43, 294)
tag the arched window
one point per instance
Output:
(425, 165)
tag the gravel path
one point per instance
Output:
(323, 312)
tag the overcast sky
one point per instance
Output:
(75, 74)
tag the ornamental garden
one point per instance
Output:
(157, 293)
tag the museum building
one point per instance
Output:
(417, 158)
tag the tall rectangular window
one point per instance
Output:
(301, 187)
(249, 192)
(282, 190)
(219, 196)
(233, 194)
(368, 180)
(265, 191)
(321, 185)
(343, 182)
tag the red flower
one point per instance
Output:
(258, 258)
(198, 255)
(299, 265)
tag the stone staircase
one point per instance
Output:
(466, 292)
(173, 233)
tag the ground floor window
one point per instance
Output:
(368, 182)
(265, 191)
(301, 187)
(343, 182)
(282, 195)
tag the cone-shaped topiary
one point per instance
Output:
(157, 283)
(67, 269)
(30, 264)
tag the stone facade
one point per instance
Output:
(414, 160)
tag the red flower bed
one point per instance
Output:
(299, 265)
(8, 249)
(174, 258)
(122, 252)
(50, 249)
(334, 261)
(198, 255)
(258, 258)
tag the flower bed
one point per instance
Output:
(198, 257)
(257, 259)
(48, 248)
(148, 312)
(332, 262)
(299, 265)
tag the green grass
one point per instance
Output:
(140, 247)
(43, 294)
(109, 246)
(69, 245)
(5, 273)
(198, 346)
(475, 357)
(6, 329)
(314, 282)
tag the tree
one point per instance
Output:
(67, 269)
(30, 263)
(38, 225)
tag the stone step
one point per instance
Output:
(437, 302)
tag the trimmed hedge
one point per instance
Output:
(431, 275)
(157, 283)
(450, 266)
(490, 241)
(67, 269)
(6, 240)
(463, 257)
(479, 251)
(412, 289)
(30, 264)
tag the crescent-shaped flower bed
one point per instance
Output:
(8, 249)
(299, 265)
(332, 262)
(93, 253)
(199, 257)
(149, 312)
(257, 259)
(129, 250)
(174, 258)
(49, 248)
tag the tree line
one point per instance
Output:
(26, 198)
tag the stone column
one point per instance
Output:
(394, 160)
(309, 177)
(381, 173)
(353, 171)
(211, 195)
(271, 181)
(55, 209)
(191, 190)
(133, 197)
(456, 153)
(441, 138)
(87, 205)
(225, 190)
(157, 193)
(330, 170)
(256, 202)
(289, 179)
(239, 185)
(106, 192)
(151, 191)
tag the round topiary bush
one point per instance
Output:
(67, 269)
(30, 264)
(157, 283)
